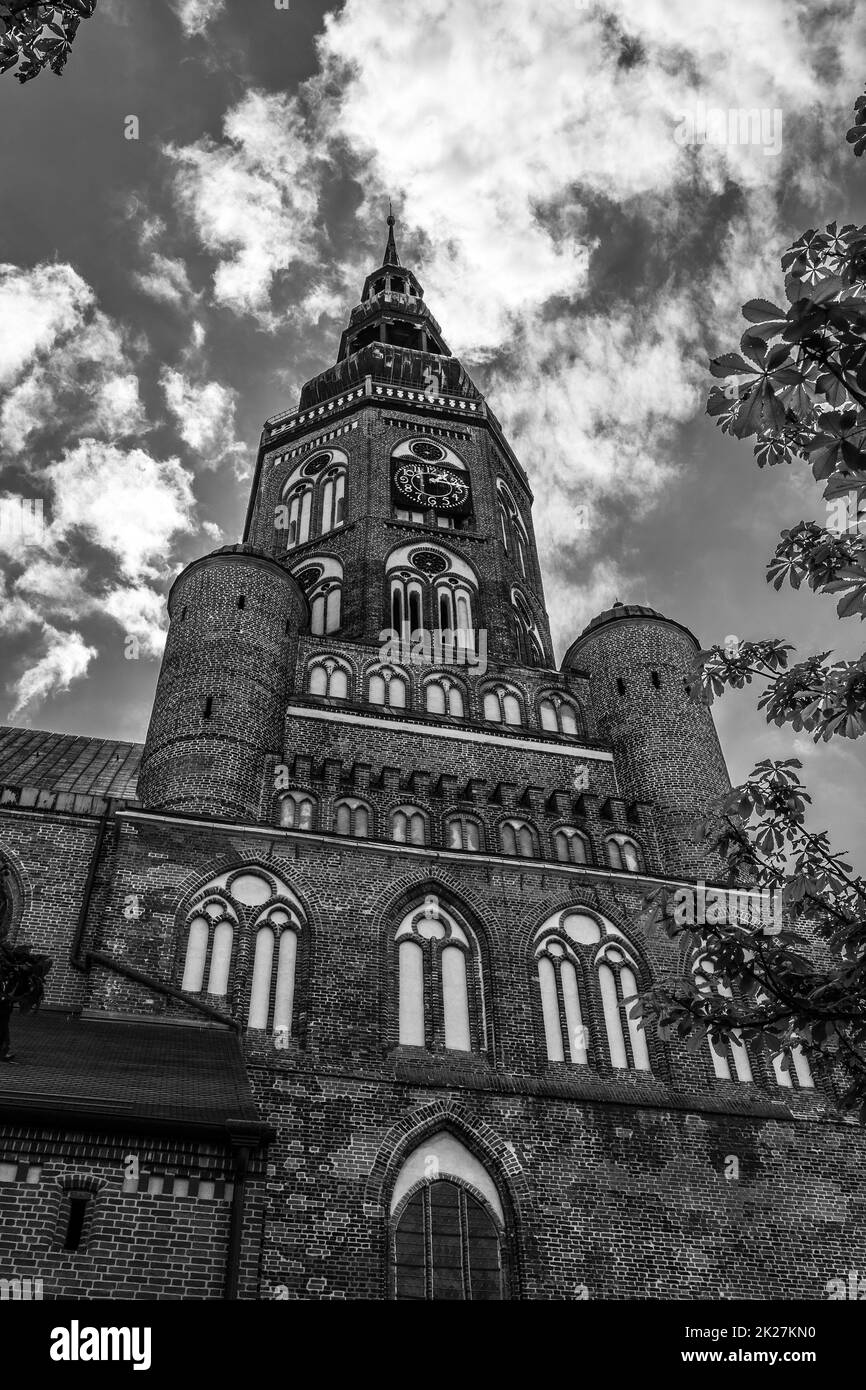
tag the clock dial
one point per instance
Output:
(431, 485)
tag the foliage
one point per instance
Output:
(40, 35)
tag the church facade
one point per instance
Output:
(340, 951)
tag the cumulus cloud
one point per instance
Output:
(62, 361)
(252, 198)
(66, 658)
(196, 15)
(205, 416)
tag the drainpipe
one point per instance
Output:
(241, 1148)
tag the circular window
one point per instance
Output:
(317, 463)
(307, 578)
(422, 449)
(428, 562)
(250, 889)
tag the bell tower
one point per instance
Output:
(391, 495)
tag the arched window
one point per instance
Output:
(516, 837)
(564, 1030)
(272, 987)
(297, 811)
(251, 914)
(407, 610)
(299, 505)
(502, 706)
(447, 1244)
(623, 853)
(729, 1056)
(388, 687)
(560, 716)
(333, 492)
(321, 579)
(797, 1074)
(626, 1041)
(432, 594)
(571, 846)
(327, 677)
(440, 988)
(462, 832)
(352, 817)
(530, 645)
(409, 826)
(514, 535)
(444, 696)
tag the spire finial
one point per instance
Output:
(391, 257)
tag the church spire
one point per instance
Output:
(391, 257)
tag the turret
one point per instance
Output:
(220, 700)
(666, 748)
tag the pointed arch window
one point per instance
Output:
(530, 645)
(571, 846)
(333, 493)
(623, 853)
(444, 696)
(560, 716)
(558, 975)
(729, 1055)
(297, 811)
(502, 706)
(409, 826)
(517, 837)
(272, 986)
(463, 832)
(352, 817)
(440, 1003)
(328, 678)
(299, 504)
(617, 981)
(514, 534)
(434, 592)
(388, 687)
(447, 1246)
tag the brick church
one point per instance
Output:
(339, 952)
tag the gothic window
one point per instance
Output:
(623, 853)
(729, 1056)
(444, 696)
(516, 837)
(560, 716)
(558, 974)
(387, 687)
(530, 645)
(585, 969)
(242, 934)
(514, 536)
(329, 678)
(797, 1074)
(409, 826)
(571, 846)
(440, 1003)
(433, 593)
(272, 988)
(352, 817)
(321, 579)
(313, 498)
(502, 706)
(462, 832)
(626, 1041)
(299, 501)
(333, 491)
(447, 1246)
(297, 811)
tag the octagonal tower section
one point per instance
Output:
(234, 620)
(666, 749)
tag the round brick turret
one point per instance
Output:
(666, 748)
(220, 701)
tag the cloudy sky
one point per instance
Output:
(161, 295)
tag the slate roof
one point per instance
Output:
(67, 763)
(126, 1074)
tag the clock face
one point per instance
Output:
(431, 485)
